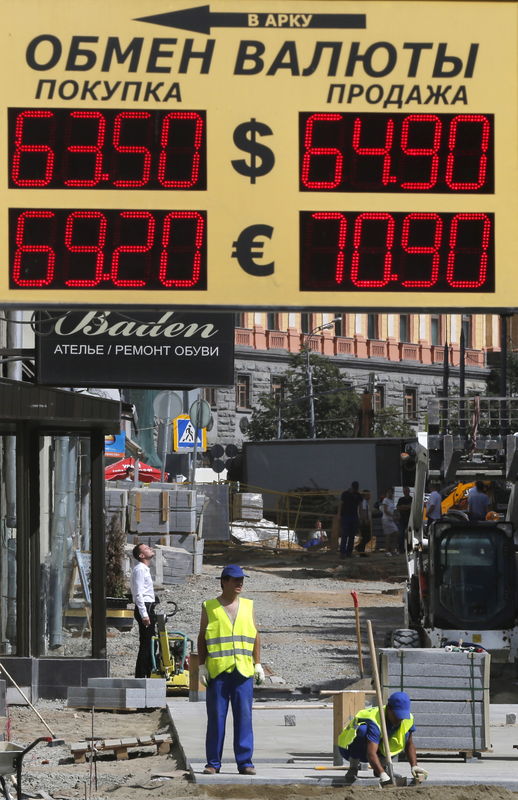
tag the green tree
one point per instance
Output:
(336, 405)
(389, 421)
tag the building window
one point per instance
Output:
(243, 391)
(467, 328)
(410, 403)
(378, 398)
(273, 322)
(277, 386)
(305, 322)
(209, 394)
(239, 320)
(435, 329)
(404, 327)
(373, 329)
(339, 324)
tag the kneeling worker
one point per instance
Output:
(229, 652)
(361, 739)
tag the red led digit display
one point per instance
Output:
(349, 251)
(59, 148)
(107, 249)
(439, 153)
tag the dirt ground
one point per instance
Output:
(145, 774)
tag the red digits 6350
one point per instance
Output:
(109, 149)
(396, 152)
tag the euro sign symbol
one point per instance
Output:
(247, 250)
(262, 158)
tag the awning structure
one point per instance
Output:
(146, 473)
(56, 409)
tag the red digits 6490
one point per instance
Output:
(396, 152)
(58, 148)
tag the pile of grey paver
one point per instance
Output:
(118, 693)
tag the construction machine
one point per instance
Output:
(170, 654)
(462, 575)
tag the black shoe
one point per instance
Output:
(247, 771)
(210, 770)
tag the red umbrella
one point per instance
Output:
(146, 473)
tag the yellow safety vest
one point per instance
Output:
(397, 739)
(230, 646)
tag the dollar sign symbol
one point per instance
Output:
(245, 137)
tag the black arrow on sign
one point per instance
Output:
(202, 19)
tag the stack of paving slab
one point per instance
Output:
(449, 691)
(116, 502)
(248, 505)
(182, 511)
(161, 511)
(118, 693)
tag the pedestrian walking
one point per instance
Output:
(349, 520)
(403, 507)
(365, 522)
(434, 505)
(361, 739)
(229, 650)
(390, 528)
(143, 593)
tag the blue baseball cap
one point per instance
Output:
(233, 571)
(399, 703)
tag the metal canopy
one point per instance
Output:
(55, 409)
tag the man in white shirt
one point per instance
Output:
(143, 593)
(434, 505)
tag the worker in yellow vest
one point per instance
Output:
(229, 650)
(361, 739)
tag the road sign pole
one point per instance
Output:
(167, 422)
(195, 422)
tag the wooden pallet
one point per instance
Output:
(120, 747)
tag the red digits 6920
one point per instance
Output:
(94, 249)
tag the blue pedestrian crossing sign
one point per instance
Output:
(183, 435)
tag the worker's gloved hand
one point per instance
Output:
(203, 674)
(258, 674)
(419, 773)
(385, 780)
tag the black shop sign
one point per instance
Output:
(152, 349)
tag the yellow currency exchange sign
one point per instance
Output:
(259, 154)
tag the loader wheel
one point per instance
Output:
(405, 637)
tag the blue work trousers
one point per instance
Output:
(234, 688)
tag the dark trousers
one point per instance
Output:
(146, 633)
(349, 530)
(365, 537)
(233, 688)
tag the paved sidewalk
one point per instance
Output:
(289, 754)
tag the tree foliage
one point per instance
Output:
(336, 405)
